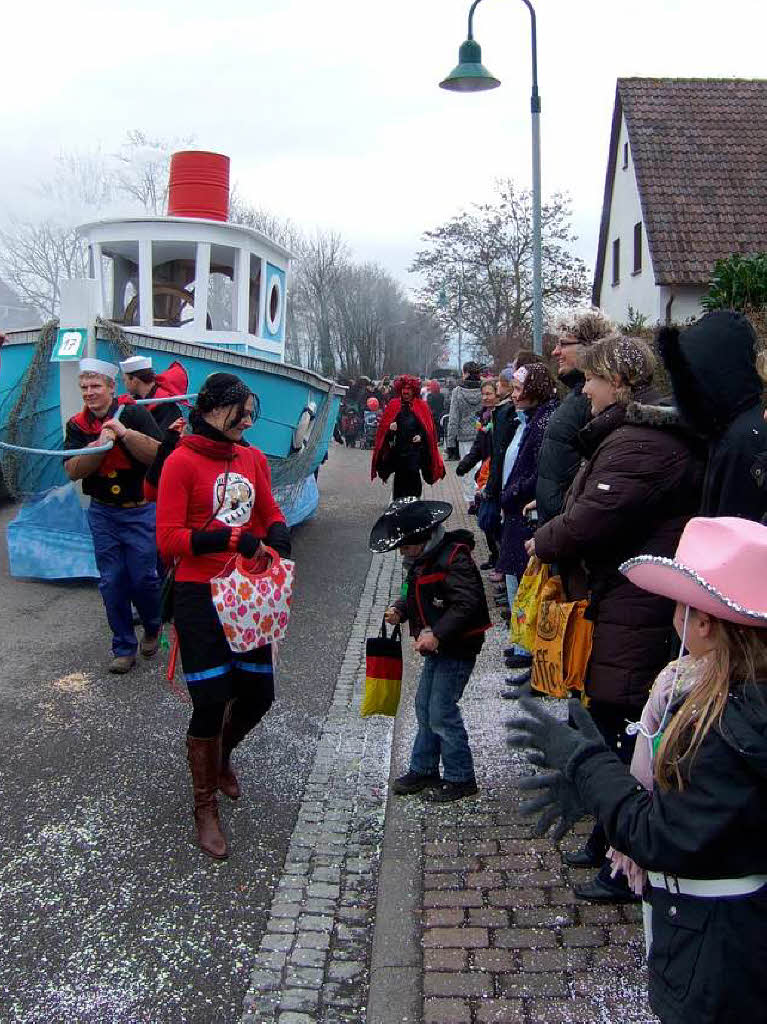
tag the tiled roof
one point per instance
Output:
(699, 147)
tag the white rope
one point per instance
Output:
(69, 453)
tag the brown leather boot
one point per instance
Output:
(204, 757)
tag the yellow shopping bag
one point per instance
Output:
(524, 608)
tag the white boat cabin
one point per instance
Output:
(199, 281)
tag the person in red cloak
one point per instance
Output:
(406, 442)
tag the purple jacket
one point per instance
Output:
(519, 489)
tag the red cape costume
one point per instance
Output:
(435, 469)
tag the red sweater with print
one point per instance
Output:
(191, 489)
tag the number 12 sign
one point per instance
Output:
(70, 344)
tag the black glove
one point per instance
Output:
(461, 470)
(278, 537)
(209, 542)
(248, 545)
(553, 739)
(559, 801)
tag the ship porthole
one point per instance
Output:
(274, 306)
(304, 427)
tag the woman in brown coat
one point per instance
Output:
(633, 495)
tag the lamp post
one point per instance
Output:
(471, 76)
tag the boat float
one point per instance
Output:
(191, 288)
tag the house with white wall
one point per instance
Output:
(686, 184)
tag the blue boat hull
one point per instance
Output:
(284, 393)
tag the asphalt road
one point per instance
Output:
(108, 912)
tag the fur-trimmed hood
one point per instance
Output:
(656, 415)
(712, 366)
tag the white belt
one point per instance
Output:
(707, 887)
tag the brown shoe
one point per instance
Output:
(149, 646)
(122, 663)
(204, 757)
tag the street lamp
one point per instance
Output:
(470, 75)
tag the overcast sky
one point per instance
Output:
(330, 110)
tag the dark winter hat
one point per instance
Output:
(221, 389)
(405, 520)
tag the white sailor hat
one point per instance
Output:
(98, 366)
(135, 363)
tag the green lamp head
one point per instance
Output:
(469, 75)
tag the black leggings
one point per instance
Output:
(247, 711)
(611, 720)
(407, 483)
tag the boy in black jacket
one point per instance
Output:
(444, 602)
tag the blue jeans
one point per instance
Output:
(441, 731)
(126, 555)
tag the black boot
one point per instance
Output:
(603, 888)
(592, 853)
(451, 791)
(519, 660)
(412, 782)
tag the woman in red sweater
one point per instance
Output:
(214, 501)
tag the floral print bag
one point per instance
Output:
(254, 607)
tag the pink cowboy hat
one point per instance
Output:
(720, 567)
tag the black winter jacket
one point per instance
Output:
(708, 956)
(560, 455)
(634, 495)
(505, 423)
(718, 393)
(445, 592)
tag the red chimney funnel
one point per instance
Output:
(199, 185)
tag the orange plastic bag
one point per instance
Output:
(562, 643)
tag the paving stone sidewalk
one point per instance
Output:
(502, 937)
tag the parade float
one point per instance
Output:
(189, 288)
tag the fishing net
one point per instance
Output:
(20, 421)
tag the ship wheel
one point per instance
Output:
(169, 302)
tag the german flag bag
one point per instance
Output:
(383, 673)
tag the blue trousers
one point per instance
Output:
(126, 555)
(441, 732)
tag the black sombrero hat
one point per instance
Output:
(404, 519)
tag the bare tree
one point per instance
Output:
(142, 169)
(477, 267)
(36, 257)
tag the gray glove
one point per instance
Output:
(559, 801)
(553, 739)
